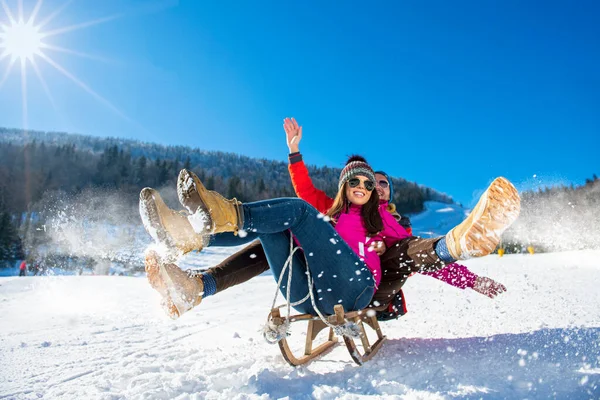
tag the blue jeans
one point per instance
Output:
(339, 276)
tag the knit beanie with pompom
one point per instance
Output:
(356, 165)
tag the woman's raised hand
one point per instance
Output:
(293, 133)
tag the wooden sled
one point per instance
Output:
(315, 326)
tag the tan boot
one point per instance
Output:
(211, 212)
(180, 291)
(166, 226)
(479, 234)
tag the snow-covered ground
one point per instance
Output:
(85, 337)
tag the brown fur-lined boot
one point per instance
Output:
(168, 227)
(211, 212)
(479, 234)
(180, 291)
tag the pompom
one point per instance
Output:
(356, 157)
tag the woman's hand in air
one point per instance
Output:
(378, 247)
(293, 133)
(488, 286)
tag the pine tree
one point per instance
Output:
(234, 188)
(11, 247)
(210, 183)
(261, 186)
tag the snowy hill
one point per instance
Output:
(437, 219)
(107, 338)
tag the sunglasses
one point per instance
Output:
(354, 182)
(383, 184)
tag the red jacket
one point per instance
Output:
(305, 189)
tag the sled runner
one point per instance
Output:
(340, 318)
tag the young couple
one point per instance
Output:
(334, 245)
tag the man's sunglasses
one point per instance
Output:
(354, 182)
(383, 184)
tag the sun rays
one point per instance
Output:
(25, 41)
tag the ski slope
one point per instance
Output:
(437, 219)
(106, 337)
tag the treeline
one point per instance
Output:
(558, 218)
(41, 161)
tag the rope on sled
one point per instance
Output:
(273, 333)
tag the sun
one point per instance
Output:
(27, 42)
(21, 41)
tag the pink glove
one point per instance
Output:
(488, 286)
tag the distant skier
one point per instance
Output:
(23, 268)
(37, 270)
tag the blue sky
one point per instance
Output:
(447, 94)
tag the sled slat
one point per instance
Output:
(314, 327)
